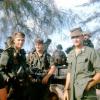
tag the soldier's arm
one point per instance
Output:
(52, 68)
(96, 65)
(96, 78)
(93, 81)
(49, 74)
(51, 71)
(68, 79)
(4, 59)
(67, 87)
(3, 62)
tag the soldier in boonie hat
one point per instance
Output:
(59, 46)
(76, 32)
(79, 69)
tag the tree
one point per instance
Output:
(43, 15)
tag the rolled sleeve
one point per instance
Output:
(52, 61)
(96, 61)
(69, 65)
(3, 62)
(4, 59)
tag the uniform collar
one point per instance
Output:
(38, 54)
(81, 51)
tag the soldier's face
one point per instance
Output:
(77, 41)
(18, 42)
(86, 37)
(39, 47)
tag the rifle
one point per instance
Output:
(37, 74)
(17, 84)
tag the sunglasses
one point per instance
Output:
(73, 37)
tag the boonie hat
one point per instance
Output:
(76, 32)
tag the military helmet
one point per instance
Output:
(59, 46)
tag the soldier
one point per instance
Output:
(42, 60)
(87, 41)
(59, 59)
(13, 60)
(46, 45)
(83, 70)
(59, 56)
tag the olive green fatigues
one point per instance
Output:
(11, 63)
(82, 68)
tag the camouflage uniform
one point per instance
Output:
(43, 62)
(82, 68)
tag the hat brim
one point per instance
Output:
(77, 34)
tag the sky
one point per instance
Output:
(83, 12)
(86, 16)
(65, 5)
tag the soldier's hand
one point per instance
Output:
(89, 85)
(6, 78)
(66, 95)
